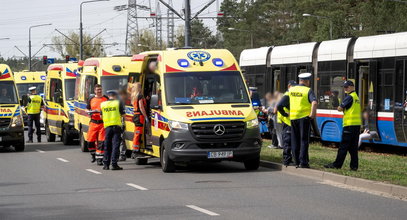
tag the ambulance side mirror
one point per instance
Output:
(24, 100)
(154, 102)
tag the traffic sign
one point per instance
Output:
(51, 60)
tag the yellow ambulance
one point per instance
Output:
(59, 102)
(199, 108)
(25, 80)
(112, 73)
(11, 121)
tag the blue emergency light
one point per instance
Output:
(183, 63)
(217, 62)
(23, 78)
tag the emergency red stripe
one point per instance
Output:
(329, 115)
(170, 69)
(5, 76)
(385, 119)
(233, 67)
(341, 116)
(105, 73)
(91, 63)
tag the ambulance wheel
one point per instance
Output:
(66, 139)
(167, 165)
(19, 147)
(50, 136)
(252, 164)
(83, 143)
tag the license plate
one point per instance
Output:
(220, 154)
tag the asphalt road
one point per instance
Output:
(53, 181)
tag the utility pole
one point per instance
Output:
(158, 26)
(29, 42)
(187, 19)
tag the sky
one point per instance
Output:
(18, 15)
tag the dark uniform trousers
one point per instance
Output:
(300, 131)
(287, 154)
(350, 139)
(34, 119)
(112, 145)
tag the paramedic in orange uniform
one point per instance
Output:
(140, 115)
(96, 132)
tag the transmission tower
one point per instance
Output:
(158, 26)
(132, 24)
(170, 26)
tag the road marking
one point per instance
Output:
(63, 160)
(136, 186)
(40, 151)
(93, 171)
(202, 210)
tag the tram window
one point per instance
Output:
(385, 94)
(330, 91)
(398, 98)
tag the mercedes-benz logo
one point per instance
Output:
(219, 129)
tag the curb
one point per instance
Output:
(394, 190)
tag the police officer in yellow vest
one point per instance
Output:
(352, 120)
(284, 118)
(303, 108)
(33, 109)
(112, 112)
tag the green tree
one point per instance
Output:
(202, 36)
(145, 42)
(92, 47)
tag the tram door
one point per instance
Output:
(368, 93)
(400, 111)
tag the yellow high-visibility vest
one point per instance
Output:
(111, 113)
(281, 118)
(352, 116)
(34, 106)
(300, 107)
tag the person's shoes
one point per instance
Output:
(279, 147)
(116, 167)
(354, 169)
(122, 158)
(306, 166)
(99, 162)
(289, 164)
(272, 147)
(30, 141)
(93, 158)
(39, 140)
(330, 166)
(106, 167)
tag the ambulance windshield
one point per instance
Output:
(70, 89)
(23, 88)
(205, 88)
(8, 94)
(113, 83)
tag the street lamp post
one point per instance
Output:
(29, 42)
(323, 17)
(241, 30)
(81, 26)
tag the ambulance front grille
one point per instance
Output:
(206, 131)
(4, 122)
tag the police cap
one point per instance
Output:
(348, 83)
(305, 76)
(112, 92)
(292, 83)
(32, 88)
